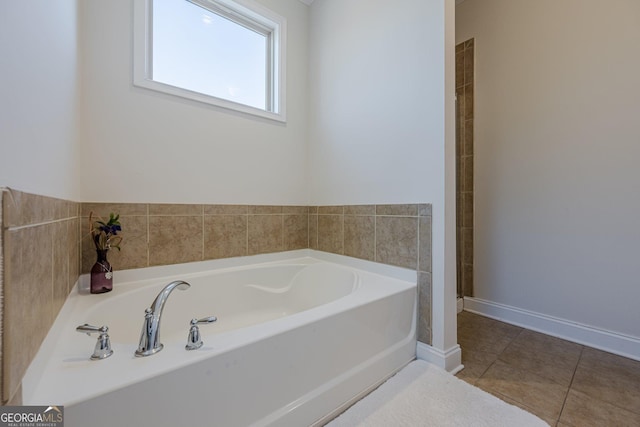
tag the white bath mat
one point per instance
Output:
(422, 395)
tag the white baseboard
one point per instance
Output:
(450, 360)
(611, 342)
(460, 305)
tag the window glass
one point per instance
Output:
(227, 53)
(199, 50)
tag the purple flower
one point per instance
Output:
(103, 232)
(110, 229)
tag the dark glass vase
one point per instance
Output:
(101, 274)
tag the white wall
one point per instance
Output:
(557, 148)
(376, 102)
(38, 97)
(141, 146)
(382, 108)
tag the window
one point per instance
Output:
(229, 53)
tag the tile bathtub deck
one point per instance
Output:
(564, 383)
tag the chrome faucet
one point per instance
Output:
(150, 335)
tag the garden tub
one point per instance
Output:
(300, 336)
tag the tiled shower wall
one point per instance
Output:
(47, 246)
(464, 165)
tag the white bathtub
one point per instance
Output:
(299, 336)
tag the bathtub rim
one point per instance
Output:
(39, 365)
(230, 264)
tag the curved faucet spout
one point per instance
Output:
(150, 335)
(158, 304)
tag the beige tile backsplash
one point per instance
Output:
(331, 233)
(359, 236)
(160, 234)
(225, 236)
(397, 241)
(46, 246)
(41, 263)
(175, 239)
(265, 232)
(391, 234)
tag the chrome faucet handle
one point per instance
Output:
(103, 348)
(194, 340)
(204, 320)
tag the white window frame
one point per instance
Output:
(240, 10)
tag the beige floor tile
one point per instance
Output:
(542, 395)
(469, 322)
(549, 357)
(487, 344)
(533, 371)
(478, 333)
(467, 319)
(618, 365)
(475, 364)
(610, 378)
(581, 410)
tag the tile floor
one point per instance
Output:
(564, 383)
